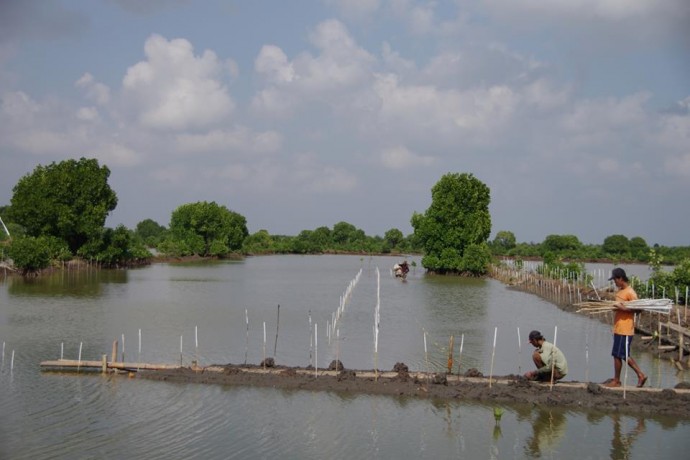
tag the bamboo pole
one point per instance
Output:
(264, 360)
(553, 358)
(275, 345)
(316, 349)
(450, 355)
(462, 342)
(246, 342)
(519, 352)
(113, 355)
(493, 353)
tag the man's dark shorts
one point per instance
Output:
(619, 350)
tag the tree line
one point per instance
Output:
(58, 212)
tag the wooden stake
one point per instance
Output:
(462, 342)
(113, 355)
(450, 355)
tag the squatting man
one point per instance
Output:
(547, 358)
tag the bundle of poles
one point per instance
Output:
(602, 306)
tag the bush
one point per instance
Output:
(30, 254)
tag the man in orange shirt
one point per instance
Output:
(623, 329)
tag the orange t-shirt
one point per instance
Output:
(623, 322)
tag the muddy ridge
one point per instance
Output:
(470, 387)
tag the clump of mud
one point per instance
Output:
(440, 379)
(231, 370)
(473, 373)
(289, 372)
(268, 362)
(336, 365)
(594, 388)
(683, 386)
(402, 370)
(346, 375)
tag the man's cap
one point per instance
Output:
(535, 335)
(618, 273)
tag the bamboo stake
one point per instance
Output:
(316, 349)
(113, 356)
(139, 356)
(264, 360)
(123, 348)
(78, 366)
(275, 345)
(553, 359)
(625, 376)
(426, 357)
(519, 352)
(311, 342)
(493, 353)
(12, 362)
(586, 356)
(181, 350)
(450, 355)
(246, 342)
(62, 349)
(462, 342)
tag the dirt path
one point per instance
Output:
(506, 389)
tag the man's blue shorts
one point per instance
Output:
(619, 341)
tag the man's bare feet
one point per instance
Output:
(641, 381)
(612, 384)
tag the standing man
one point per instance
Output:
(546, 357)
(623, 330)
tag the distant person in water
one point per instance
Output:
(623, 330)
(547, 357)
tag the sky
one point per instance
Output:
(301, 114)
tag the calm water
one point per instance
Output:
(49, 415)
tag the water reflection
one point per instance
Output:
(67, 283)
(65, 416)
(622, 440)
(548, 428)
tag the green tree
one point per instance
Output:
(393, 238)
(503, 242)
(639, 249)
(616, 245)
(348, 237)
(207, 229)
(115, 248)
(457, 218)
(150, 232)
(30, 254)
(258, 243)
(561, 244)
(69, 200)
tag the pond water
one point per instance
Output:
(203, 309)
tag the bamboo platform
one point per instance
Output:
(71, 364)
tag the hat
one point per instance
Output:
(535, 335)
(618, 273)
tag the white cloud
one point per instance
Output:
(309, 175)
(356, 9)
(401, 158)
(419, 17)
(174, 89)
(116, 154)
(87, 114)
(95, 91)
(273, 64)
(240, 139)
(340, 66)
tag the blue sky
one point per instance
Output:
(300, 114)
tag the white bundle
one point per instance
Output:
(653, 305)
